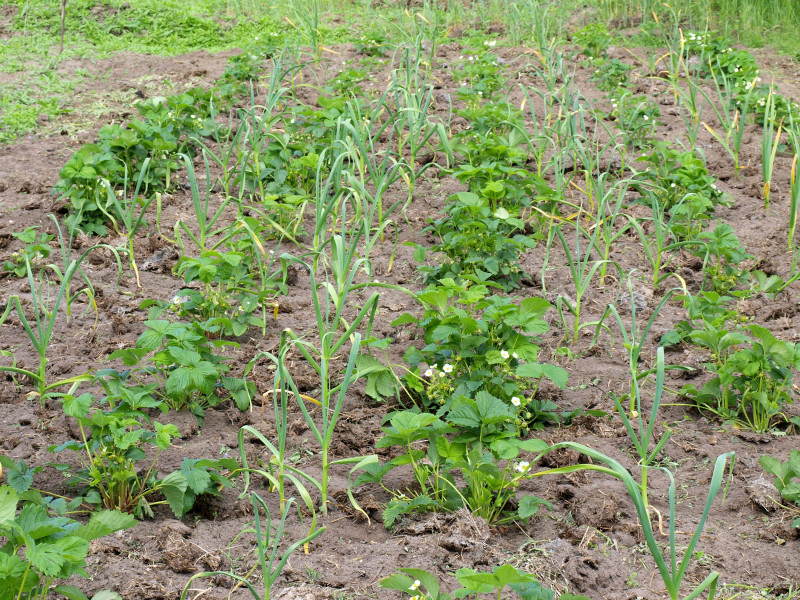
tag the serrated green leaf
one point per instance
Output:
(106, 595)
(397, 581)
(529, 506)
(72, 550)
(77, 407)
(794, 462)
(556, 374)
(197, 479)
(791, 491)
(533, 590)
(8, 503)
(20, 477)
(179, 381)
(174, 486)
(70, 592)
(45, 558)
(131, 357)
(773, 466)
(392, 512)
(164, 433)
(105, 523)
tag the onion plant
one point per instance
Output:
(306, 13)
(685, 86)
(278, 469)
(331, 402)
(369, 180)
(329, 298)
(205, 216)
(633, 341)
(607, 213)
(794, 201)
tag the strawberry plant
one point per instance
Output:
(611, 74)
(593, 40)
(753, 384)
(113, 442)
(230, 297)
(175, 364)
(473, 583)
(470, 442)
(787, 477)
(145, 151)
(673, 175)
(41, 548)
(477, 243)
(496, 116)
(477, 341)
(636, 117)
(481, 76)
(723, 252)
(36, 249)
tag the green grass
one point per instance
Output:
(21, 103)
(96, 30)
(752, 22)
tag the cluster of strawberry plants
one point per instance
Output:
(143, 152)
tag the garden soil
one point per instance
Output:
(590, 543)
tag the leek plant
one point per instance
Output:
(729, 115)
(65, 244)
(270, 562)
(413, 129)
(370, 179)
(40, 328)
(582, 269)
(794, 202)
(769, 144)
(306, 13)
(126, 211)
(257, 125)
(794, 138)
(329, 298)
(643, 434)
(278, 468)
(607, 213)
(331, 400)
(206, 217)
(672, 572)
(658, 245)
(685, 90)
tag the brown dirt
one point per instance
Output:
(590, 543)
